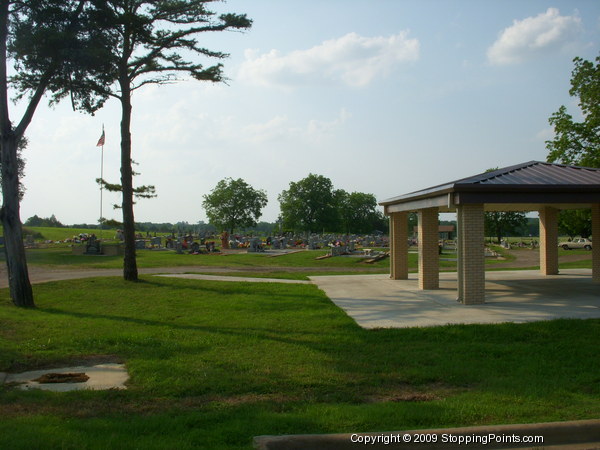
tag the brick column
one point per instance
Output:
(429, 277)
(471, 264)
(459, 256)
(596, 243)
(548, 241)
(399, 246)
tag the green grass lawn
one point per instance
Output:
(213, 364)
(60, 234)
(61, 256)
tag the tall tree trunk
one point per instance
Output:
(130, 272)
(18, 276)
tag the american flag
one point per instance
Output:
(101, 140)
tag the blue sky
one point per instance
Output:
(384, 97)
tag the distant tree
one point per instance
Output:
(310, 205)
(51, 46)
(358, 212)
(33, 221)
(234, 204)
(182, 227)
(36, 221)
(148, 43)
(112, 223)
(532, 228)
(266, 228)
(502, 224)
(575, 223)
(203, 227)
(413, 221)
(578, 143)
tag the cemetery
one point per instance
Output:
(205, 342)
(344, 317)
(236, 353)
(201, 243)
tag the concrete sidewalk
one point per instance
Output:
(376, 301)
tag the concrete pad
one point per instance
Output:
(376, 301)
(198, 276)
(102, 377)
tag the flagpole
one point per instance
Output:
(101, 180)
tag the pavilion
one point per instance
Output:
(532, 186)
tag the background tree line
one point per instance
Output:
(310, 205)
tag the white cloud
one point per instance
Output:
(280, 128)
(351, 59)
(530, 37)
(274, 129)
(317, 129)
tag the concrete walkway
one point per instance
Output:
(376, 301)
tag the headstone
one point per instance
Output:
(155, 241)
(140, 244)
(179, 247)
(255, 246)
(92, 246)
(337, 251)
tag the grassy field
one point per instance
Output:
(213, 364)
(61, 256)
(61, 234)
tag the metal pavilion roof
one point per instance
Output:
(533, 181)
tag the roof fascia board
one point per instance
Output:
(462, 198)
(550, 188)
(413, 196)
(414, 205)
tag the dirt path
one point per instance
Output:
(43, 274)
(531, 258)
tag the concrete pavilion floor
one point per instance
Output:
(376, 301)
